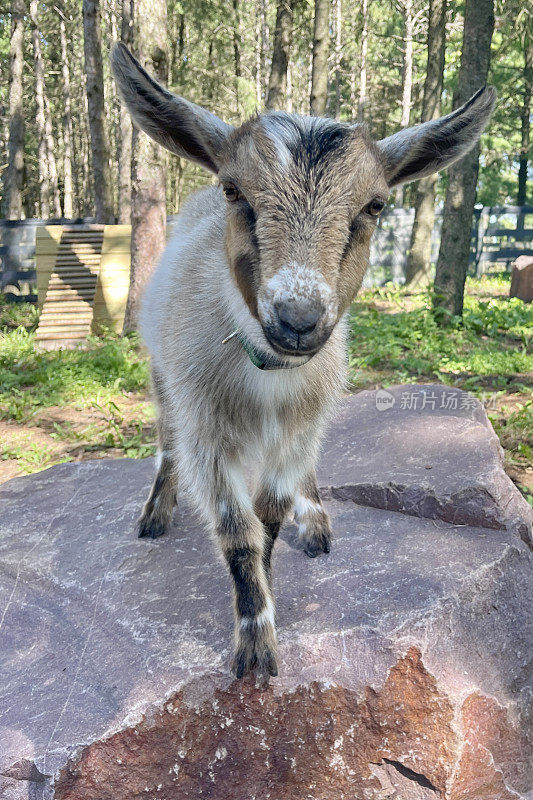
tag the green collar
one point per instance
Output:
(260, 359)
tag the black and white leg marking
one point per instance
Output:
(242, 538)
(271, 510)
(157, 511)
(314, 526)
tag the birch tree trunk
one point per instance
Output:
(67, 124)
(319, 72)
(417, 270)
(148, 206)
(15, 164)
(124, 156)
(277, 85)
(452, 263)
(103, 197)
(42, 154)
(364, 54)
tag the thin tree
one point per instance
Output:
(319, 71)
(51, 155)
(337, 18)
(363, 64)
(452, 263)
(417, 270)
(277, 84)
(15, 164)
(67, 121)
(525, 114)
(237, 42)
(103, 196)
(406, 7)
(42, 153)
(148, 197)
(125, 126)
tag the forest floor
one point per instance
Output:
(94, 402)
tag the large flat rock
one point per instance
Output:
(404, 654)
(426, 450)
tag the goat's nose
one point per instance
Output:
(300, 316)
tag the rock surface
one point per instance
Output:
(404, 653)
(522, 279)
(429, 451)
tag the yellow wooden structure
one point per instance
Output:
(83, 276)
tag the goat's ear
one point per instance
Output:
(431, 146)
(182, 127)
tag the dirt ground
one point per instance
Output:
(87, 427)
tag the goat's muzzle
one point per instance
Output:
(297, 327)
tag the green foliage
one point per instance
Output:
(30, 380)
(491, 341)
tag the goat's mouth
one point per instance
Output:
(291, 343)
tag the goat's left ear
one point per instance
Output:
(431, 146)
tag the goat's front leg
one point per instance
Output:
(271, 504)
(242, 538)
(314, 525)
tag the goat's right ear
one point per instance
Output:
(182, 127)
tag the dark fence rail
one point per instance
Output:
(499, 235)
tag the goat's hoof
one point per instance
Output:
(150, 528)
(256, 649)
(317, 542)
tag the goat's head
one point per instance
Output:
(303, 195)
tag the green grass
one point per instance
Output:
(489, 347)
(393, 339)
(31, 380)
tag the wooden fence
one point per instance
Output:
(499, 235)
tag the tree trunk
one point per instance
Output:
(417, 270)
(261, 48)
(338, 54)
(521, 198)
(148, 207)
(85, 167)
(124, 156)
(277, 85)
(258, 56)
(407, 82)
(42, 155)
(237, 50)
(103, 197)
(362, 71)
(319, 72)
(55, 202)
(15, 165)
(452, 263)
(67, 124)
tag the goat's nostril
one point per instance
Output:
(300, 317)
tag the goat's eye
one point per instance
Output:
(375, 207)
(232, 193)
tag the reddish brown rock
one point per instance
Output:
(404, 653)
(522, 279)
(426, 450)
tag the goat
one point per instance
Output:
(245, 317)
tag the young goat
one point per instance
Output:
(244, 316)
